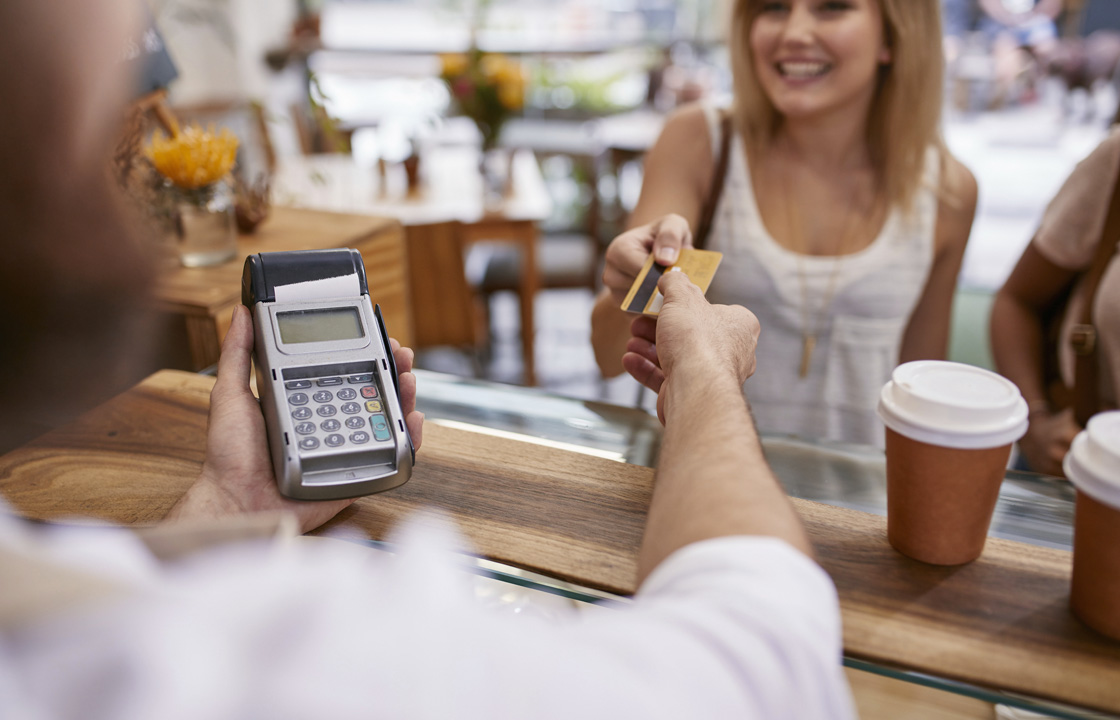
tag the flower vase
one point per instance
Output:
(494, 169)
(412, 172)
(207, 225)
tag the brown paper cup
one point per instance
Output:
(1095, 590)
(1093, 466)
(940, 500)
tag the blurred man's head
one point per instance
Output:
(71, 275)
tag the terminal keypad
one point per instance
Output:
(314, 404)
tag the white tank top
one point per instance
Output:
(858, 337)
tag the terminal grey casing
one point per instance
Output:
(324, 473)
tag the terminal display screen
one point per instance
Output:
(306, 326)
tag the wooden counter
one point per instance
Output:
(205, 297)
(1000, 622)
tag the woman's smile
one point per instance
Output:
(816, 57)
(802, 69)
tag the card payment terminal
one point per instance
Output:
(326, 376)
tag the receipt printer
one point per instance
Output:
(326, 376)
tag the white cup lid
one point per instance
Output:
(953, 405)
(1093, 461)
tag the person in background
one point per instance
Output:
(1023, 37)
(733, 618)
(1062, 249)
(842, 218)
(957, 20)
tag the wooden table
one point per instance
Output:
(205, 297)
(1001, 622)
(443, 216)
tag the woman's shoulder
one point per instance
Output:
(1100, 164)
(692, 119)
(957, 196)
(1093, 174)
(957, 181)
(1071, 226)
(1111, 142)
(957, 187)
(686, 144)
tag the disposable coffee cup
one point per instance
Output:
(949, 428)
(1093, 466)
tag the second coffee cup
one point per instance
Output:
(1093, 466)
(949, 429)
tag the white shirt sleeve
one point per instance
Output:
(756, 620)
(737, 627)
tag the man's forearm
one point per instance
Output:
(712, 478)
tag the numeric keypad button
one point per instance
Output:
(329, 425)
(298, 398)
(326, 410)
(309, 443)
(301, 413)
(305, 428)
(334, 440)
(323, 396)
(355, 423)
(347, 394)
(351, 407)
(359, 437)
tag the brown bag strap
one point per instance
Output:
(1083, 335)
(700, 239)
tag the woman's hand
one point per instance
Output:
(1048, 439)
(237, 474)
(627, 253)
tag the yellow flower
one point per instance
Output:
(453, 64)
(195, 157)
(506, 77)
(511, 95)
(495, 67)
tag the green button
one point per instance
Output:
(380, 427)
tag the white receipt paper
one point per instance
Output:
(343, 286)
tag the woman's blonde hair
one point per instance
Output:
(905, 113)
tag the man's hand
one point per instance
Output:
(690, 332)
(1048, 439)
(237, 473)
(627, 253)
(697, 356)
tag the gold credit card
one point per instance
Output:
(699, 265)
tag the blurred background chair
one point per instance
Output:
(447, 314)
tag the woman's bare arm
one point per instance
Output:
(927, 333)
(1017, 347)
(677, 173)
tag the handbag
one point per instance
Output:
(1084, 395)
(719, 172)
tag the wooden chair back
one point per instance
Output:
(443, 302)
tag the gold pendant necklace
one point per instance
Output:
(808, 344)
(810, 325)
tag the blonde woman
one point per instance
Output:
(842, 218)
